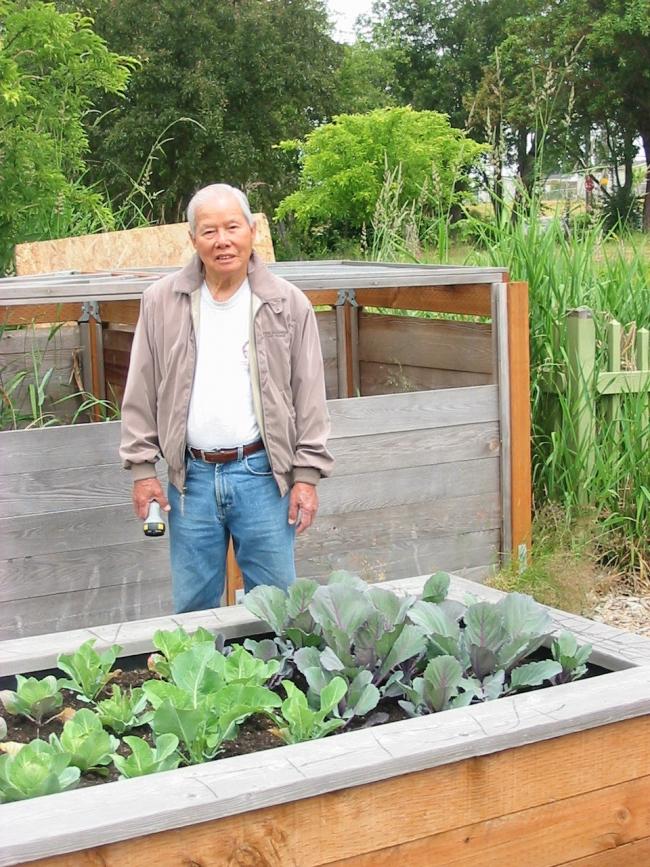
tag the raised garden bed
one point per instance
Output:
(547, 777)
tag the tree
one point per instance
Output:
(220, 84)
(439, 47)
(366, 79)
(344, 163)
(52, 67)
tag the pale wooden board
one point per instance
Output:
(143, 560)
(59, 447)
(71, 529)
(419, 342)
(130, 248)
(399, 378)
(26, 451)
(405, 556)
(23, 341)
(79, 819)
(414, 411)
(95, 607)
(583, 826)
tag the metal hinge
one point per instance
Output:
(89, 310)
(347, 296)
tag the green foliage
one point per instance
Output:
(303, 723)
(52, 66)
(272, 76)
(88, 671)
(83, 738)
(37, 769)
(147, 760)
(123, 710)
(33, 698)
(571, 656)
(207, 699)
(343, 165)
(173, 642)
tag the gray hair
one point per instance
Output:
(215, 191)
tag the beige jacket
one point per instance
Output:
(286, 371)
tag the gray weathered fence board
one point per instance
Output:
(72, 529)
(51, 573)
(145, 560)
(403, 556)
(55, 490)
(397, 378)
(414, 411)
(434, 343)
(415, 448)
(56, 448)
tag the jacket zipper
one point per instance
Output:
(187, 411)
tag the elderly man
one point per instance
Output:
(226, 383)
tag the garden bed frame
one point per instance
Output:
(551, 777)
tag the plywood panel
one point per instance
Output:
(399, 378)
(130, 248)
(419, 342)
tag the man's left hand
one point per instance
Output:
(303, 505)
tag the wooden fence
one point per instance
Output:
(583, 384)
(417, 488)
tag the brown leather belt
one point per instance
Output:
(222, 456)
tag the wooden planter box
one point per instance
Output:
(549, 777)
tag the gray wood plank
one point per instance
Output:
(87, 445)
(398, 487)
(85, 608)
(81, 445)
(363, 532)
(22, 341)
(424, 342)
(384, 562)
(422, 409)
(54, 490)
(400, 378)
(78, 529)
(414, 448)
(44, 574)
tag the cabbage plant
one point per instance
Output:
(36, 769)
(33, 698)
(145, 759)
(85, 740)
(88, 671)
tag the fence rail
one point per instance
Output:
(582, 384)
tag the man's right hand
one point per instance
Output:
(144, 491)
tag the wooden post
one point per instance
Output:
(234, 578)
(520, 424)
(347, 343)
(92, 353)
(614, 333)
(581, 363)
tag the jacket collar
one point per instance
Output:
(262, 282)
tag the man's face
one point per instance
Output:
(223, 239)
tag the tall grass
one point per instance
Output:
(565, 267)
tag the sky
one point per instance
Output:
(344, 14)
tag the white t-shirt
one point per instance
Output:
(221, 414)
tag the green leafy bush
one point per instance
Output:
(343, 165)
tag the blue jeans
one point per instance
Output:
(239, 499)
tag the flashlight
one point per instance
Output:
(154, 524)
